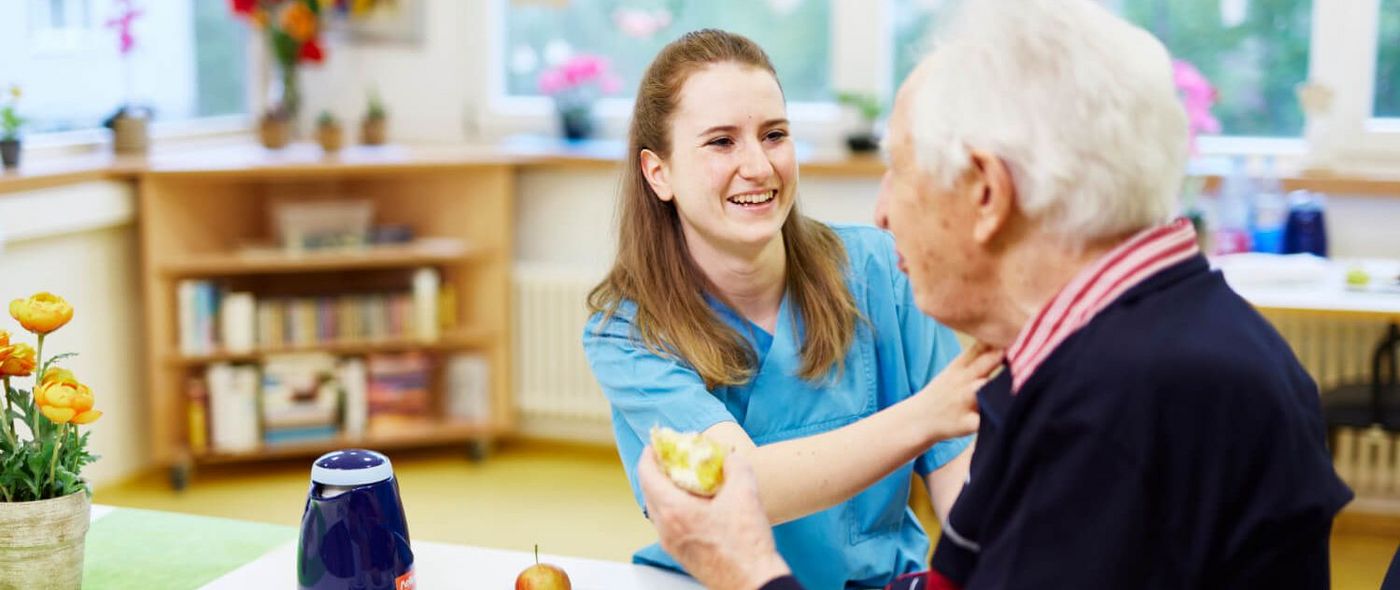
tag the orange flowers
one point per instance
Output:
(42, 312)
(298, 21)
(64, 400)
(17, 360)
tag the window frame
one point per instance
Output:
(863, 51)
(86, 140)
(1345, 53)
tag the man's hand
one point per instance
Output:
(724, 541)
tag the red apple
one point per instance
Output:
(542, 576)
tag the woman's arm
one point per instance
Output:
(801, 476)
(946, 482)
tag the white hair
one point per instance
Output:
(1080, 104)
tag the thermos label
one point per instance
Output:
(405, 582)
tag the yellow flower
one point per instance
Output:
(15, 92)
(65, 401)
(59, 375)
(19, 360)
(298, 21)
(42, 313)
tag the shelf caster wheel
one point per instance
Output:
(478, 450)
(180, 476)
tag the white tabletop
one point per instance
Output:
(440, 566)
(1302, 283)
(443, 566)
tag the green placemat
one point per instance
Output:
(149, 550)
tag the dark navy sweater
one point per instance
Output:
(1172, 442)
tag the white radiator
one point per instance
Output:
(1336, 350)
(552, 378)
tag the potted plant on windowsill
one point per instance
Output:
(867, 106)
(129, 124)
(575, 85)
(374, 129)
(10, 123)
(44, 503)
(329, 133)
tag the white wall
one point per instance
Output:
(80, 242)
(566, 215)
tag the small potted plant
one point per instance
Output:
(329, 133)
(374, 129)
(575, 85)
(45, 504)
(129, 122)
(867, 106)
(275, 128)
(10, 122)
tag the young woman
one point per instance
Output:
(796, 343)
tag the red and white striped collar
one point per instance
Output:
(1094, 288)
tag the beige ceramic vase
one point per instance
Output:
(41, 543)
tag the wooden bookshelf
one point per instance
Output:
(431, 434)
(197, 219)
(457, 340)
(430, 252)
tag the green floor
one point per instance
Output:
(569, 500)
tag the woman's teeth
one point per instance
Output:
(753, 198)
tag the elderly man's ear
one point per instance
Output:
(992, 193)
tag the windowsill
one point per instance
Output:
(231, 153)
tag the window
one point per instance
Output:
(795, 33)
(1387, 103)
(1255, 52)
(913, 21)
(188, 61)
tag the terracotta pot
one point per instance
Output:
(9, 153)
(374, 131)
(129, 135)
(331, 137)
(41, 543)
(274, 132)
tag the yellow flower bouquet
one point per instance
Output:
(41, 451)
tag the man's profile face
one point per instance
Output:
(931, 224)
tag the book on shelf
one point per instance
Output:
(354, 378)
(211, 319)
(233, 407)
(300, 396)
(468, 388)
(398, 391)
(197, 400)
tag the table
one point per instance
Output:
(153, 550)
(1300, 283)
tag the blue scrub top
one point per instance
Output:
(861, 543)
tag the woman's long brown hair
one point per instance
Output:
(654, 268)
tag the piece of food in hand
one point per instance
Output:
(542, 576)
(693, 462)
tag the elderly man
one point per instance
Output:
(1150, 430)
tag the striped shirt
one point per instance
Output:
(1094, 288)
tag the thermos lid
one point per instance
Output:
(351, 467)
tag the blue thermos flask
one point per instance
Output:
(353, 531)
(1306, 229)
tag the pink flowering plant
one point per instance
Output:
(1198, 96)
(578, 81)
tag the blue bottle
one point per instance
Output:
(353, 531)
(1306, 230)
(1268, 212)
